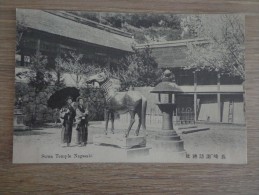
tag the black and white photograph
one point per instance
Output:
(97, 87)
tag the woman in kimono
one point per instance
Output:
(82, 122)
(68, 113)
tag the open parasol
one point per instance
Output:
(58, 99)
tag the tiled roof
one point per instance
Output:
(171, 54)
(57, 25)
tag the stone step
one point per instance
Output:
(119, 140)
(192, 130)
(161, 137)
(185, 127)
(168, 145)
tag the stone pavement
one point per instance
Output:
(220, 144)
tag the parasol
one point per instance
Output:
(58, 99)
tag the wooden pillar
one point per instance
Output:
(219, 98)
(219, 107)
(170, 98)
(195, 97)
(38, 46)
(195, 107)
(244, 102)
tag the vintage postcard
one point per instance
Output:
(129, 87)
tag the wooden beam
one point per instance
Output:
(38, 46)
(195, 97)
(219, 98)
(195, 107)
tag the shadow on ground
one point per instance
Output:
(31, 132)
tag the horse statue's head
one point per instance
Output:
(100, 78)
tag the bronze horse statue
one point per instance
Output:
(121, 102)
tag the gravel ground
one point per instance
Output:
(220, 144)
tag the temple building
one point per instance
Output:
(56, 32)
(208, 96)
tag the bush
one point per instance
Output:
(21, 89)
(34, 105)
(95, 102)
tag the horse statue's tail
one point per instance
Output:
(143, 112)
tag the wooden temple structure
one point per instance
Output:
(207, 96)
(56, 32)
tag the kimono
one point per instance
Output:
(82, 124)
(67, 113)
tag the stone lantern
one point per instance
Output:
(18, 123)
(167, 139)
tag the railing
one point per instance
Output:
(186, 116)
(213, 89)
(154, 118)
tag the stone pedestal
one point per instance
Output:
(133, 146)
(168, 141)
(18, 121)
(167, 111)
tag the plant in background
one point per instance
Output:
(142, 70)
(74, 65)
(224, 52)
(58, 71)
(95, 102)
(39, 79)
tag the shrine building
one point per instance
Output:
(208, 96)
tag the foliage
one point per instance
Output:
(118, 20)
(38, 77)
(142, 70)
(33, 93)
(58, 71)
(145, 27)
(34, 105)
(95, 102)
(224, 52)
(136, 70)
(21, 89)
(74, 65)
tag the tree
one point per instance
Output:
(38, 80)
(95, 102)
(74, 65)
(142, 70)
(58, 71)
(145, 27)
(38, 76)
(224, 51)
